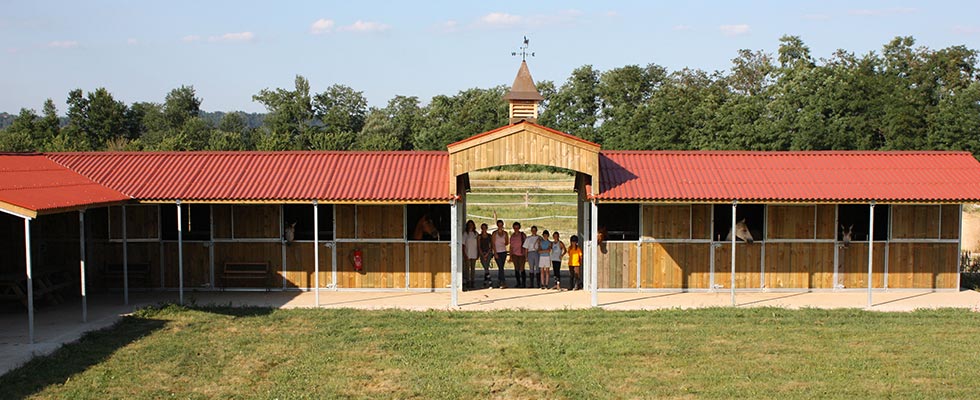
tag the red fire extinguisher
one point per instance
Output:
(357, 259)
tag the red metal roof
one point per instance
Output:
(36, 184)
(811, 176)
(491, 132)
(395, 176)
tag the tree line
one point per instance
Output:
(903, 97)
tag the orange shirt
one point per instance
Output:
(574, 256)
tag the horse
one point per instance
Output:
(290, 233)
(741, 232)
(600, 238)
(425, 227)
(847, 234)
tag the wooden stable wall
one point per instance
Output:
(797, 252)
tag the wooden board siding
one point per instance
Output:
(951, 221)
(701, 221)
(197, 268)
(142, 222)
(300, 268)
(384, 266)
(221, 215)
(373, 221)
(791, 222)
(922, 265)
(429, 265)
(252, 252)
(667, 221)
(102, 253)
(530, 145)
(853, 266)
(617, 265)
(827, 225)
(748, 265)
(256, 221)
(915, 221)
(675, 265)
(799, 265)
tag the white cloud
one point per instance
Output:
(611, 14)
(734, 30)
(63, 44)
(449, 26)
(322, 25)
(966, 30)
(682, 27)
(882, 11)
(132, 41)
(233, 37)
(365, 27)
(190, 38)
(500, 19)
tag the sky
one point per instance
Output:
(230, 50)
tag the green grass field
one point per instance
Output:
(708, 353)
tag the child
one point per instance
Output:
(544, 252)
(574, 264)
(558, 251)
(485, 247)
(470, 252)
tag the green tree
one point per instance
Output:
(288, 123)
(574, 107)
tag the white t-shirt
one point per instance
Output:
(531, 243)
(469, 240)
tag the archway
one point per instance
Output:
(525, 143)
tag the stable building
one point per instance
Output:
(320, 220)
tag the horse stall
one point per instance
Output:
(788, 247)
(54, 259)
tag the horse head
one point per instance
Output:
(290, 232)
(425, 226)
(847, 234)
(741, 232)
(600, 238)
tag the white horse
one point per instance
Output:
(847, 234)
(290, 233)
(741, 232)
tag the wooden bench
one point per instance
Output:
(51, 287)
(139, 275)
(245, 271)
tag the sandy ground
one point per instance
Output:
(57, 325)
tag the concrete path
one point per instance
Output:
(57, 325)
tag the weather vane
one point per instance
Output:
(524, 53)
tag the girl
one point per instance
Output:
(485, 250)
(470, 252)
(500, 239)
(559, 248)
(575, 264)
(544, 251)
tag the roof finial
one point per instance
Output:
(524, 53)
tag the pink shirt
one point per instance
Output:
(517, 244)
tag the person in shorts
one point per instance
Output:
(531, 249)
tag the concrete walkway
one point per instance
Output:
(57, 325)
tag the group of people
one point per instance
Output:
(536, 252)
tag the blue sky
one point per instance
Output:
(229, 50)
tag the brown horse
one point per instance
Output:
(600, 238)
(290, 233)
(425, 227)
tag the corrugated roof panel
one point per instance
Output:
(912, 176)
(257, 176)
(35, 183)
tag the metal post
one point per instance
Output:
(594, 250)
(333, 248)
(454, 257)
(180, 254)
(734, 206)
(871, 254)
(81, 263)
(30, 280)
(316, 255)
(125, 249)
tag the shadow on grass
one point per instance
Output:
(74, 358)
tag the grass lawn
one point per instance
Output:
(709, 353)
